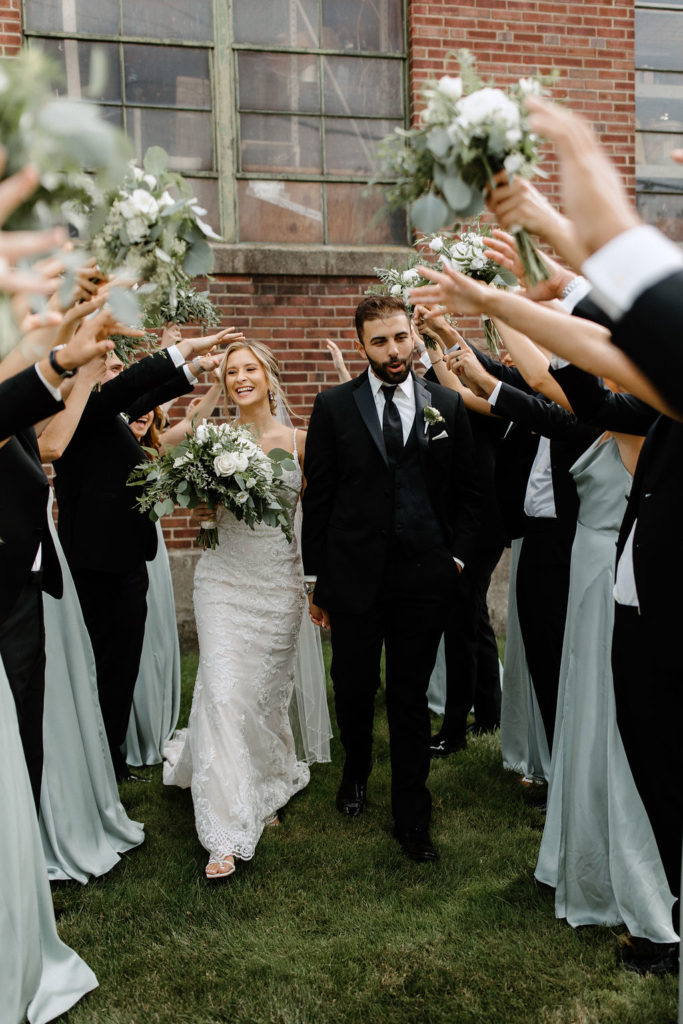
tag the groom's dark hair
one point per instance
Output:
(377, 307)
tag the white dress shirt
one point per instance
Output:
(404, 400)
(625, 591)
(628, 265)
(539, 499)
(179, 360)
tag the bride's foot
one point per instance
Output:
(220, 868)
(272, 820)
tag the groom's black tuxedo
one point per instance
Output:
(381, 542)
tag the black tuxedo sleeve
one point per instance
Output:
(508, 374)
(24, 400)
(650, 334)
(147, 375)
(178, 385)
(596, 405)
(538, 414)
(466, 488)
(320, 472)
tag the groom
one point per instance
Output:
(390, 519)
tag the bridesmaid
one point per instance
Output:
(40, 977)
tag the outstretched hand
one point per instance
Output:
(502, 250)
(451, 292)
(467, 367)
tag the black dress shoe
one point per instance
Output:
(416, 843)
(351, 798)
(646, 957)
(441, 746)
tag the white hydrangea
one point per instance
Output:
(136, 229)
(486, 105)
(396, 290)
(410, 276)
(202, 432)
(436, 244)
(450, 86)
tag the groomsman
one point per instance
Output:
(390, 521)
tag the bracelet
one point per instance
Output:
(437, 361)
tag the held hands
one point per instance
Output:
(318, 616)
(501, 249)
(203, 513)
(467, 367)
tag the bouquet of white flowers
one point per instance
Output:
(150, 230)
(189, 307)
(469, 133)
(466, 254)
(220, 464)
(397, 282)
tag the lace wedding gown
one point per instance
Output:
(237, 753)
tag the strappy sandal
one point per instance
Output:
(224, 868)
(272, 820)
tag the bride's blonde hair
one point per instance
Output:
(271, 369)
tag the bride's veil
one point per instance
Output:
(308, 712)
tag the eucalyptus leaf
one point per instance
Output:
(198, 261)
(429, 213)
(155, 161)
(438, 142)
(457, 194)
(124, 306)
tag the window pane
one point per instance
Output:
(74, 59)
(363, 25)
(280, 211)
(114, 115)
(354, 218)
(168, 19)
(171, 76)
(665, 212)
(206, 193)
(659, 100)
(271, 142)
(655, 147)
(101, 16)
(362, 85)
(659, 40)
(186, 136)
(351, 145)
(278, 81)
(280, 23)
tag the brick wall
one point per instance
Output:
(10, 27)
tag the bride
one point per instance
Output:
(238, 754)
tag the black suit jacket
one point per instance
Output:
(99, 526)
(568, 439)
(24, 400)
(348, 501)
(23, 520)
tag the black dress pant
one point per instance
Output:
(115, 609)
(22, 647)
(648, 692)
(472, 673)
(407, 619)
(542, 594)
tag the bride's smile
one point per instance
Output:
(245, 379)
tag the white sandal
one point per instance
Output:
(224, 868)
(271, 820)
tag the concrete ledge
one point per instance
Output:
(324, 260)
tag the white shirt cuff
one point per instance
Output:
(425, 360)
(310, 579)
(577, 290)
(494, 394)
(459, 561)
(55, 392)
(557, 362)
(178, 360)
(628, 265)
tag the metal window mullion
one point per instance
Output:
(226, 119)
(93, 37)
(122, 81)
(318, 51)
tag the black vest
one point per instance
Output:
(416, 527)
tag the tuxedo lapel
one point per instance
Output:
(365, 401)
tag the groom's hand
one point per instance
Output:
(319, 616)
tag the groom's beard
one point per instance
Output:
(394, 371)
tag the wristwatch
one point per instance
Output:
(309, 587)
(59, 370)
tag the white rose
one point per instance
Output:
(224, 465)
(242, 497)
(436, 244)
(127, 209)
(488, 105)
(450, 86)
(149, 180)
(512, 136)
(513, 163)
(410, 276)
(241, 461)
(166, 199)
(144, 203)
(202, 433)
(396, 290)
(477, 263)
(267, 471)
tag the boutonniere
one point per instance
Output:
(432, 416)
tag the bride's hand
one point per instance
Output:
(203, 513)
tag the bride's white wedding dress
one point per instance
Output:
(237, 753)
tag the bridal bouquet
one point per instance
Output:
(468, 133)
(188, 307)
(150, 230)
(220, 464)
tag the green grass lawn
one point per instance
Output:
(330, 923)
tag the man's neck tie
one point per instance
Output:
(391, 425)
